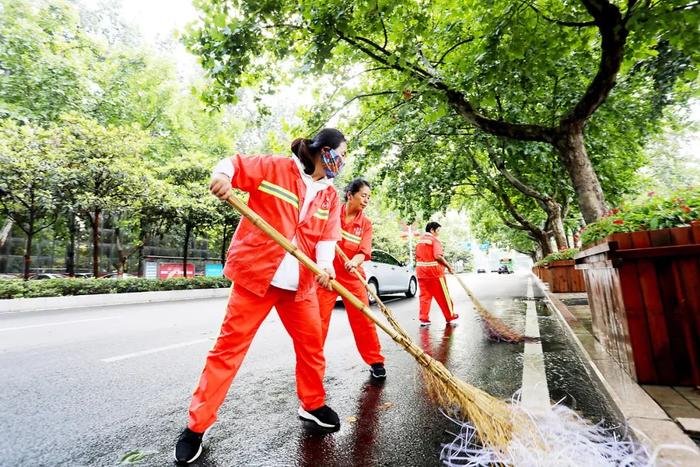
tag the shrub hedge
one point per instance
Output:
(62, 287)
(558, 256)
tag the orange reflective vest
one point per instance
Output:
(427, 249)
(356, 237)
(277, 194)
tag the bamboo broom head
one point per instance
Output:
(492, 418)
(495, 326)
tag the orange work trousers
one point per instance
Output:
(435, 287)
(362, 327)
(244, 314)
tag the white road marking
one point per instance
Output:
(150, 351)
(535, 393)
(59, 323)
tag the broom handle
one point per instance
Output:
(282, 241)
(472, 297)
(384, 309)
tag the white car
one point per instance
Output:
(387, 275)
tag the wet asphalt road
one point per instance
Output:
(90, 386)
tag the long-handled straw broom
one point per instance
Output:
(497, 329)
(492, 418)
(386, 311)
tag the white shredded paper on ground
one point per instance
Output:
(560, 438)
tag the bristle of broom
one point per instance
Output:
(497, 329)
(492, 418)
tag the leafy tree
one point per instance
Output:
(532, 71)
(29, 180)
(193, 206)
(43, 55)
(103, 171)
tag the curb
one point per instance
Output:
(24, 305)
(649, 424)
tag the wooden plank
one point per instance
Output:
(597, 265)
(661, 315)
(636, 277)
(595, 250)
(686, 272)
(653, 252)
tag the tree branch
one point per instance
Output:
(444, 54)
(576, 24)
(457, 99)
(613, 34)
(517, 183)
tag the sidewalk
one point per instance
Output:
(657, 414)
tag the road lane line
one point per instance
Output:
(535, 393)
(150, 351)
(60, 323)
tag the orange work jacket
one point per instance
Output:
(427, 249)
(276, 194)
(356, 237)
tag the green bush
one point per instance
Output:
(558, 256)
(63, 287)
(679, 210)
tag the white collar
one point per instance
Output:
(308, 179)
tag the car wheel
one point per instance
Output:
(374, 287)
(412, 288)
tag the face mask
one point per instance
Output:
(332, 163)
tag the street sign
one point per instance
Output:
(213, 270)
(168, 270)
(150, 270)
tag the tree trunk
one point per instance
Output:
(223, 244)
(141, 265)
(96, 244)
(543, 241)
(5, 231)
(70, 248)
(188, 232)
(28, 252)
(557, 225)
(121, 258)
(572, 153)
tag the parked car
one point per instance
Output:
(387, 275)
(83, 275)
(481, 271)
(114, 275)
(503, 269)
(7, 277)
(46, 275)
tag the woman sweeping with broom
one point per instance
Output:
(356, 244)
(296, 196)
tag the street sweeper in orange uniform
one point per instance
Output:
(430, 270)
(356, 243)
(296, 196)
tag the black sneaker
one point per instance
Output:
(377, 371)
(323, 417)
(188, 447)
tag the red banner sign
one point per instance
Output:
(168, 270)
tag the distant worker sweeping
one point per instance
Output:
(430, 270)
(296, 196)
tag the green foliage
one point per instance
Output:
(97, 117)
(561, 255)
(64, 287)
(679, 210)
(30, 180)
